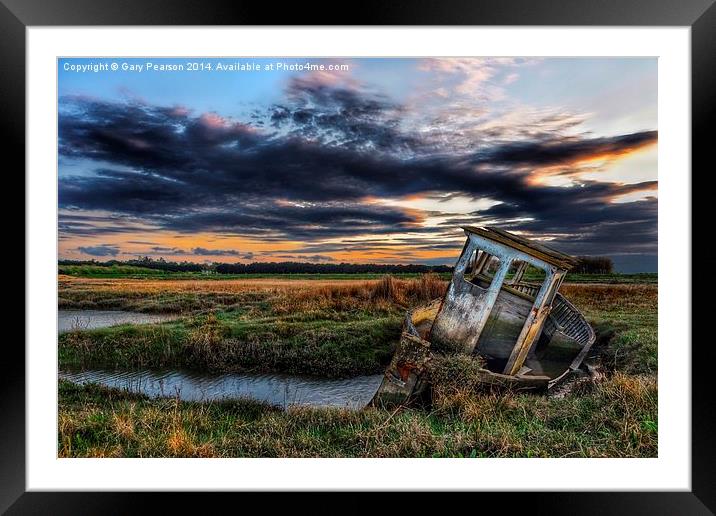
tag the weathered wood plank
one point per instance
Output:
(544, 253)
(534, 323)
(465, 311)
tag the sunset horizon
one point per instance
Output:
(364, 161)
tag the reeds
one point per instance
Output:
(615, 418)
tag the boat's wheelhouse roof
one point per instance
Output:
(530, 247)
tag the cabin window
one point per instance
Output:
(533, 274)
(516, 272)
(475, 264)
(492, 266)
(472, 261)
(524, 279)
(481, 268)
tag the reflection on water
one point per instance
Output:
(68, 320)
(282, 390)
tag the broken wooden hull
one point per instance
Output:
(560, 348)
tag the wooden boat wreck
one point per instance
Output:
(503, 304)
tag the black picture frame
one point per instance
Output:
(700, 15)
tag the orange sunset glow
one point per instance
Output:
(360, 166)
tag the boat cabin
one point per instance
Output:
(502, 304)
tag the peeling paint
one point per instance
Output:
(510, 322)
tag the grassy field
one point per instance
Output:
(324, 328)
(137, 272)
(332, 327)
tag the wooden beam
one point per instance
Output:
(518, 273)
(533, 325)
(480, 262)
(542, 252)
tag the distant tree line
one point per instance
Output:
(325, 268)
(587, 265)
(267, 267)
(146, 262)
(594, 265)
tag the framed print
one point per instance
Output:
(426, 251)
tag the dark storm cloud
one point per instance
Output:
(100, 250)
(302, 257)
(144, 242)
(579, 224)
(196, 251)
(161, 250)
(307, 180)
(80, 223)
(200, 251)
(342, 116)
(449, 240)
(276, 222)
(566, 151)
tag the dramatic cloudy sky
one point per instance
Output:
(380, 161)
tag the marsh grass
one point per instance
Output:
(276, 295)
(625, 318)
(339, 329)
(616, 418)
(327, 329)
